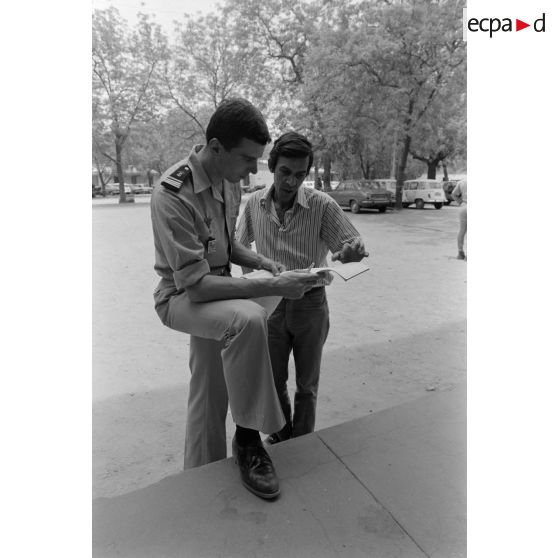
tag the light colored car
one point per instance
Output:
(423, 191)
(308, 183)
(113, 189)
(361, 194)
(142, 189)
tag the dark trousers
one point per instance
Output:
(300, 326)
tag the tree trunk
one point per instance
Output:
(327, 171)
(445, 167)
(394, 157)
(119, 171)
(401, 165)
(432, 166)
(318, 185)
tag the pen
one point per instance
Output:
(310, 268)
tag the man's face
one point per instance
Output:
(288, 176)
(241, 160)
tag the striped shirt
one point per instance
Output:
(314, 225)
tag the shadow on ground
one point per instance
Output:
(389, 372)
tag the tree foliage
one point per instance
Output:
(378, 86)
(125, 65)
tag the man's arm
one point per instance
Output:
(243, 256)
(241, 253)
(173, 224)
(290, 284)
(342, 238)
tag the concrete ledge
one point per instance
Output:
(389, 484)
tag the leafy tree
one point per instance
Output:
(441, 137)
(282, 32)
(426, 52)
(377, 86)
(402, 57)
(125, 64)
(157, 144)
(209, 63)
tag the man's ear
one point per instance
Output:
(215, 146)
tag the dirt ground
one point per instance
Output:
(397, 332)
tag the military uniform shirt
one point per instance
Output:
(193, 224)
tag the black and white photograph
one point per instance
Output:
(260, 336)
(279, 225)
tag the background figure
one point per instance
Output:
(459, 194)
(298, 226)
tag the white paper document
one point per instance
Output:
(346, 271)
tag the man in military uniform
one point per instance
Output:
(194, 208)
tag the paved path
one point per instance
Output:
(391, 484)
(397, 332)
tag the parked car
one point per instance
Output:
(390, 185)
(361, 194)
(142, 189)
(113, 189)
(308, 183)
(423, 191)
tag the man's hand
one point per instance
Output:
(293, 284)
(275, 267)
(351, 252)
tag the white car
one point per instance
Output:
(423, 191)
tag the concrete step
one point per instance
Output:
(390, 484)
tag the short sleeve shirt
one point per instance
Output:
(314, 225)
(193, 223)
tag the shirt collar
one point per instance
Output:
(199, 176)
(301, 197)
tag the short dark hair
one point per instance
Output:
(234, 120)
(293, 146)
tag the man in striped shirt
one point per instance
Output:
(298, 226)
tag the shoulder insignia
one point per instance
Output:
(175, 180)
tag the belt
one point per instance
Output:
(221, 271)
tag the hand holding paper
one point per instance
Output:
(345, 271)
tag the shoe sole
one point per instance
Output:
(264, 495)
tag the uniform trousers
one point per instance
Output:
(300, 326)
(230, 364)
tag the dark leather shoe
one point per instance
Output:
(273, 439)
(286, 433)
(256, 469)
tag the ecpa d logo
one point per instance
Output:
(493, 25)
